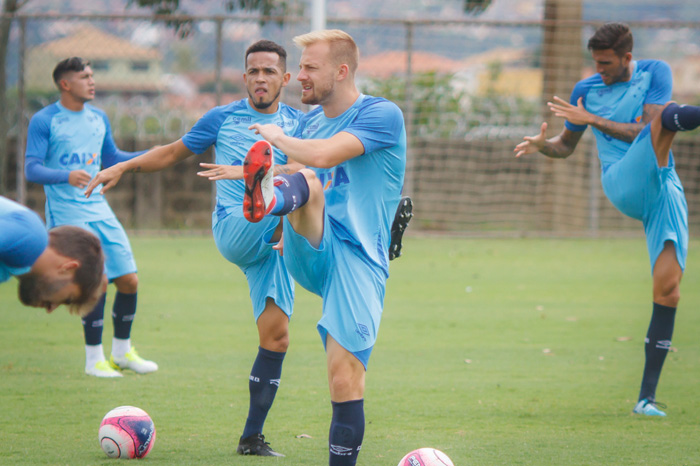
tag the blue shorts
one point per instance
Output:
(119, 260)
(352, 287)
(246, 245)
(639, 188)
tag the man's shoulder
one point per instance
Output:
(47, 112)
(590, 81)
(290, 111)
(652, 65)
(227, 109)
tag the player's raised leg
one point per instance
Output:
(673, 118)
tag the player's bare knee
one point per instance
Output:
(127, 284)
(278, 343)
(341, 386)
(312, 180)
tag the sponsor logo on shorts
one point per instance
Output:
(363, 331)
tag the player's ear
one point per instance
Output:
(627, 58)
(285, 78)
(343, 72)
(69, 266)
(63, 85)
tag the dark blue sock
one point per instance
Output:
(680, 117)
(94, 322)
(656, 347)
(347, 432)
(264, 381)
(123, 313)
(291, 192)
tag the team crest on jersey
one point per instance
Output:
(331, 179)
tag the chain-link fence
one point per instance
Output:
(470, 90)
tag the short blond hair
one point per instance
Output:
(343, 47)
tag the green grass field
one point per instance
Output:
(498, 352)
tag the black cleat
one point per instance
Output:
(256, 445)
(404, 214)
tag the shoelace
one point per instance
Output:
(658, 404)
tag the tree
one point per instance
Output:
(476, 6)
(267, 9)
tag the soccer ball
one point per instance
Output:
(426, 457)
(127, 432)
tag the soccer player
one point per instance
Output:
(62, 266)
(67, 142)
(338, 215)
(627, 104)
(249, 246)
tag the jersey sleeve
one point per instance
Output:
(661, 85)
(38, 136)
(580, 90)
(23, 238)
(111, 154)
(378, 125)
(203, 134)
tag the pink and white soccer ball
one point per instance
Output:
(127, 432)
(426, 457)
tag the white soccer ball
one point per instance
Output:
(127, 432)
(426, 457)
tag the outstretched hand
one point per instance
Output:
(574, 114)
(531, 144)
(108, 178)
(216, 172)
(269, 132)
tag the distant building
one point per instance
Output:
(497, 71)
(121, 67)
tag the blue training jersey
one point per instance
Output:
(23, 238)
(61, 141)
(623, 102)
(226, 127)
(362, 193)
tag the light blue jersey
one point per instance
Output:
(59, 141)
(623, 102)
(350, 267)
(23, 238)
(630, 174)
(362, 193)
(226, 128)
(239, 241)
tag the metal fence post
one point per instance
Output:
(21, 126)
(410, 110)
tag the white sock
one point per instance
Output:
(93, 355)
(120, 347)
